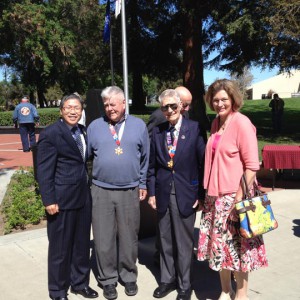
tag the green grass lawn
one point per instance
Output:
(259, 113)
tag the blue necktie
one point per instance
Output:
(172, 133)
(77, 138)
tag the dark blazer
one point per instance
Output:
(187, 172)
(61, 171)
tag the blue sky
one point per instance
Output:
(258, 75)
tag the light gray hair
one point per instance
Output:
(170, 93)
(109, 91)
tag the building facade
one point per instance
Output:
(286, 85)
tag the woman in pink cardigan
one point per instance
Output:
(231, 151)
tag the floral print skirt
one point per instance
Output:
(220, 242)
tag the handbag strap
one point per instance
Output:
(247, 196)
(245, 189)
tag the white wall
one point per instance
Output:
(284, 85)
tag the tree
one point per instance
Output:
(48, 42)
(60, 41)
(243, 80)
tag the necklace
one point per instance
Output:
(223, 126)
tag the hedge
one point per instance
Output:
(49, 116)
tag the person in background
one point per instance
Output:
(26, 115)
(82, 120)
(231, 151)
(119, 146)
(277, 105)
(64, 187)
(175, 187)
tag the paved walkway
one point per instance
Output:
(23, 264)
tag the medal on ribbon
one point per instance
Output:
(118, 150)
(171, 147)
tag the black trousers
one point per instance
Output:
(69, 250)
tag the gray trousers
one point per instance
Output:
(116, 222)
(176, 237)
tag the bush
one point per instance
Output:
(6, 118)
(22, 205)
(48, 116)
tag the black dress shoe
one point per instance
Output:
(110, 292)
(86, 292)
(60, 298)
(184, 294)
(164, 289)
(131, 288)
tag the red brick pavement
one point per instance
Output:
(11, 152)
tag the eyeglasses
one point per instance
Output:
(70, 108)
(165, 108)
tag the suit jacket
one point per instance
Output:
(61, 170)
(187, 172)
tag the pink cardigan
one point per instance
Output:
(236, 151)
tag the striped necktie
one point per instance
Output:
(76, 135)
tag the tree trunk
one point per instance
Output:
(193, 61)
(41, 96)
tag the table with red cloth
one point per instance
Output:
(281, 157)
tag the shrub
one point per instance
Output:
(22, 205)
(6, 118)
(49, 116)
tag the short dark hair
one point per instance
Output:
(68, 97)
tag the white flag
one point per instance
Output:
(118, 7)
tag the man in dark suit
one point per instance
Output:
(63, 183)
(175, 189)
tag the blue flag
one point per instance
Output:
(106, 31)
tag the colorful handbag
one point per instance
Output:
(255, 212)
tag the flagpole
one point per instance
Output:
(124, 45)
(111, 57)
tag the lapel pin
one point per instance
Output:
(183, 137)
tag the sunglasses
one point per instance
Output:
(165, 108)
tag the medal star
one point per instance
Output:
(170, 164)
(119, 151)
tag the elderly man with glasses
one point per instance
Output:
(175, 188)
(157, 117)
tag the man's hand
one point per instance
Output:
(143, 194)
(198, 205)
(152, 202)
(52, 209)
